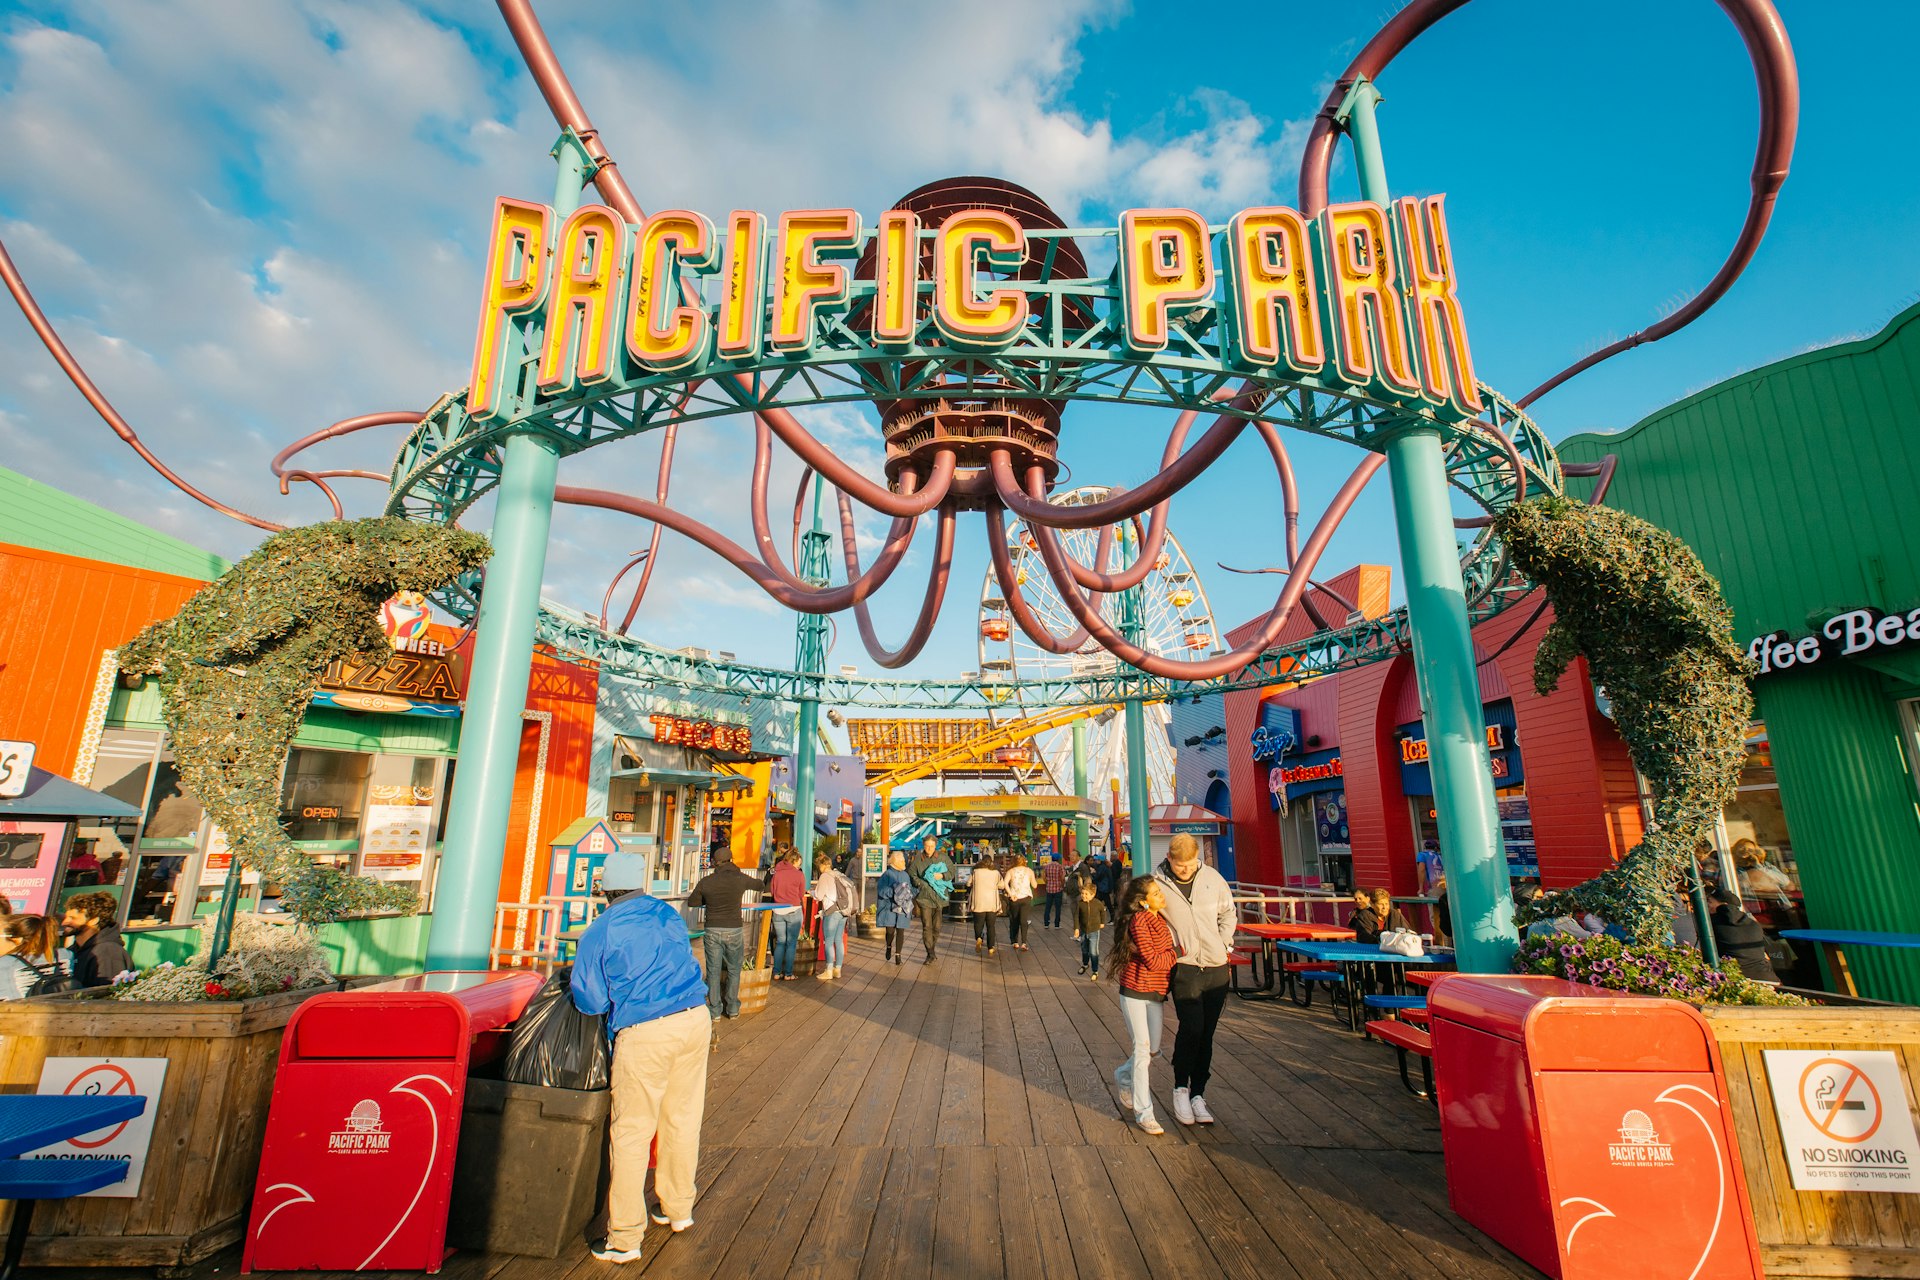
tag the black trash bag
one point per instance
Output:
(557, 1046)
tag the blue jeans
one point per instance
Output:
(726, 951)
(1142, 1020)
(1050, 914)
(833, 931)
(786, 939)
(1090, 951)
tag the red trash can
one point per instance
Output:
(365, 1118)
(1588, 1131)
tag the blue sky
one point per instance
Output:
(251, 220)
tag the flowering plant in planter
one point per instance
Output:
(266, 959)
(1677, 973)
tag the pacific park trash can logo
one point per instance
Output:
(1639, 1145)
(362, 1134)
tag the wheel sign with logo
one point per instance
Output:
(1844, 1120)
(108, 1077)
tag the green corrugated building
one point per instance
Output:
(1799, 485)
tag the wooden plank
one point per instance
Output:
(1033, 1234)
(900, 1246)
(966, 1233)
(1354, 1218)
(1811, 1260)
(1097, 1222)
(775, 1230)
(1443, 1238)
(727, 1208)
(916, 1116)
(1310, 1242)
(871, 1120)
(844, 1219)
(1177, 1237)
(1009, 1118)
(963, 1097)
(1750, 1110)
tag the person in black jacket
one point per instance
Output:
(91, 921)
(1740, 937)
(725, 940)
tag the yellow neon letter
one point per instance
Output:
(583, 315)
(516, 283)
(661, 335)
(743, 306)
(802, 282)
(896, 275)
(1369, 329)
(1439, 329)
(1276, 313)
(1165, 261)
(961, 311)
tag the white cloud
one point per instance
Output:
(249, 220)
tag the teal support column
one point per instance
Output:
(1080, 786)
(1133, 627)
(1480, 895)
(469, 880)
(810, 656)
(1138, 797)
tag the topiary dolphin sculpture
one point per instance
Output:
(1636, 602)
(241, 661)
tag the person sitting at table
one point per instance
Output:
(1364, 921)
(1386, 913)
(1740, 937)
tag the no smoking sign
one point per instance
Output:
(1844, 1120)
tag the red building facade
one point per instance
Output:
(1354, 769)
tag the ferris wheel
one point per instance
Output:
(1176, 620)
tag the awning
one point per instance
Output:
(695, 778)
(1173, 819)
(48, 795)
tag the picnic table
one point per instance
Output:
(29, 1122)
(1352, 959)
(1270, 932)
(1834, 941)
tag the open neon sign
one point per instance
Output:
(1363, 294)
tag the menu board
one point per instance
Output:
(213, 871)
(395, 844)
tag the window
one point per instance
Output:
(173, 816)
(1756, 849)
(630, 806)
(103, 847)
(401, 796)
(324, 795)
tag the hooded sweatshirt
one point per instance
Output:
(1202, 925)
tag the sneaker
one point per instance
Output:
(1147, 1125)
(1083, 968)
(1094, 976)
(979, 945)
(1200, 1113)
(1182, 1109)
(678, 1224)
(896, 959)
(606, 1253)
(992, 952)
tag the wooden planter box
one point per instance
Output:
(209, 1126)
(1816, 1233)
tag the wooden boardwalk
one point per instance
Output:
(958, 1120)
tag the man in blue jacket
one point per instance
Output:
(635, 964)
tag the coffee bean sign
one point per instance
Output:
(1844, 635)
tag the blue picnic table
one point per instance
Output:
(1352, 958)
(30, 1121)
(1834, 941)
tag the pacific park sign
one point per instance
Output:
(1362, 296)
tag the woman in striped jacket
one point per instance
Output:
(1143, 955)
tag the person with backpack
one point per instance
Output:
(932, 886)
(838, 900)
(893, 905)
(30, 964)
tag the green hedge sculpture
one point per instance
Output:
(241, 661)
(1636, 602)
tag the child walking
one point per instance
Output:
(1143, 954)
(1089, 918)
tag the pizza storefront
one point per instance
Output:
(364, 789)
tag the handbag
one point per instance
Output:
(1402, 942)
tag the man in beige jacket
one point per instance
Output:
(1200, 909)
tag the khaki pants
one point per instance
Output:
(659, 1083)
